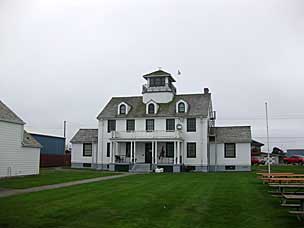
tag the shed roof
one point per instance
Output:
(233, 134)
(85, 136)
(7, 115)
(198, 106)
(29, 141)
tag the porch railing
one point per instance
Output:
(145, 134)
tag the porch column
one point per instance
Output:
(134, 152)
(174, 152)
(152, 152)
(131, 152)
(156, 156)
(178, 152)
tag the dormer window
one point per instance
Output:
(151, 109)
(181, 106)
(122, 109)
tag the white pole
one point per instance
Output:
(268, 150)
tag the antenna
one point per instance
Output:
(267, 127)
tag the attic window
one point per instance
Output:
(181, 107)
(122, 109)
(151, 109)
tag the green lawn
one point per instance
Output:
(51, 176)
(153, 200)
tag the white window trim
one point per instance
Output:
(127, 108)
(156, 106)
(185, 103)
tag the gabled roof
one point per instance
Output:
(198, 106)
(85, 136)
(29, 141)
(256, 143)
(159, 73)
(7, 115)
(233, 134)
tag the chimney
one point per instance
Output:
(206, 90)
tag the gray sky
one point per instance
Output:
(63, 60)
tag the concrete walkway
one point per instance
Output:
(12, 192)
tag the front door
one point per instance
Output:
(148, 153)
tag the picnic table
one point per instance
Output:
(283, 187)
(282, 175)
(272, 173)
(300, 212)
(283, 180)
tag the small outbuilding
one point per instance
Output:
(19, 151)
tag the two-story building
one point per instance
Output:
(161, 129)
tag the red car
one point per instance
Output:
(295, 159)
(257, 161)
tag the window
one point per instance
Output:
(122, 109)
(108, 149)
(111, 125)
(230, 167)
(130, 125)
(191, 125)
(170, 124)
(230, 150)
(87, 149)
(181, 107)
(86, 165)
(170, 149)
(191, 150)
(149, 125)
(128, 149)
(151, 109)
(157, 81)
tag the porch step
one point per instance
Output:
(140, 168)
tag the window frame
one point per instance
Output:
(189, 155)
(152, 121)
(168, 124)
(157, 81)
(184, 107)
(84, 150)
(149, 110)
(110, 126)
(108, 150)
(191, 128)
(127, 125)
(120, 109)
(169, 149)
(225, 150)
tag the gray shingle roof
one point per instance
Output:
(198, 106)
(233, 134)
(29, 141)
(7, 115)
(85, 136)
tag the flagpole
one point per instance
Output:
(267, 127)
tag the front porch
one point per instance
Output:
(146, 156)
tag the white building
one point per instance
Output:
(161, 129)
(19, 151)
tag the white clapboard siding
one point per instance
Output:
(14, 158)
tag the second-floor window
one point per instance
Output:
(111, 125)
(151, 109)
(170, 124)
(130, 125)
(191, 125)
(87, 149)
(149, 125)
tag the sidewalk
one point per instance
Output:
(12, 192)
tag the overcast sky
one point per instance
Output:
(63, 60)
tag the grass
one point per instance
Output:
(51, 176)
(212, 200)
